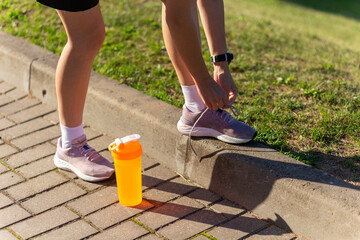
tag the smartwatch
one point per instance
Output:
(227, 57)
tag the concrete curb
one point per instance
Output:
(295, 196)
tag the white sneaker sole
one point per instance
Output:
(67, 166)
(208, 132)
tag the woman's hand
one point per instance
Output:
(212, 94)
(223, 77)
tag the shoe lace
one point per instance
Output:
(225, 115)
(87, 151)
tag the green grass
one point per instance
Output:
(296, 65)
(334, 21)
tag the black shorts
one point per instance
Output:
(70, 5)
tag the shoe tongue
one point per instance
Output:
(225, 115)
(79, 140)
(86, 147)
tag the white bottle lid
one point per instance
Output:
(123, 140)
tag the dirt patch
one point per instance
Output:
(341, 162)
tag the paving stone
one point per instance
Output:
(169, 212)
(107, 155)
(299, 238)
(147, 162)
(201, 237)
(36, 185)
(5, 201)
(91, 133)
(169, 190)
(16, 94)
(204, 196)
(3, 168)
(156, 175)
(6, 150)
(101, 143)
(192, 225)
(126, 230)
(31, 113)
(5, 100)
(5, 123)
(8, 179)
(5, 235)
(90, 186)
(37, 167)
(12, 214)
(29, 155)
(228, 209)
(237, 228)
(17, 106)
(52, 198)
(151, 236)
(272, 233)
(24, 128)
(116, 213)
(54, 142)
(75, 230)
(67, 173)
(95, 201)
(52, 117)
(37, 137)
(5, 87)
(44, 222)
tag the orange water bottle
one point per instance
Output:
(127, 152)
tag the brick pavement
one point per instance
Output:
(38, 201)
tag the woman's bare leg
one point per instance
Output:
(86, 32)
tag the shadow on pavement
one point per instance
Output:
(255, 175)
(248, 225)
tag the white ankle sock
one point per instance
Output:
(193, 100)
(68, 134)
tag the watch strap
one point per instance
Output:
(227, 57)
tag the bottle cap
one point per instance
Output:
(127, 147)
(120, 142)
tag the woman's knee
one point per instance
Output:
(89, 41)
(85, 30)
(175, 13)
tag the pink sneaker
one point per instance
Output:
(83, 160)
(218, 124)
